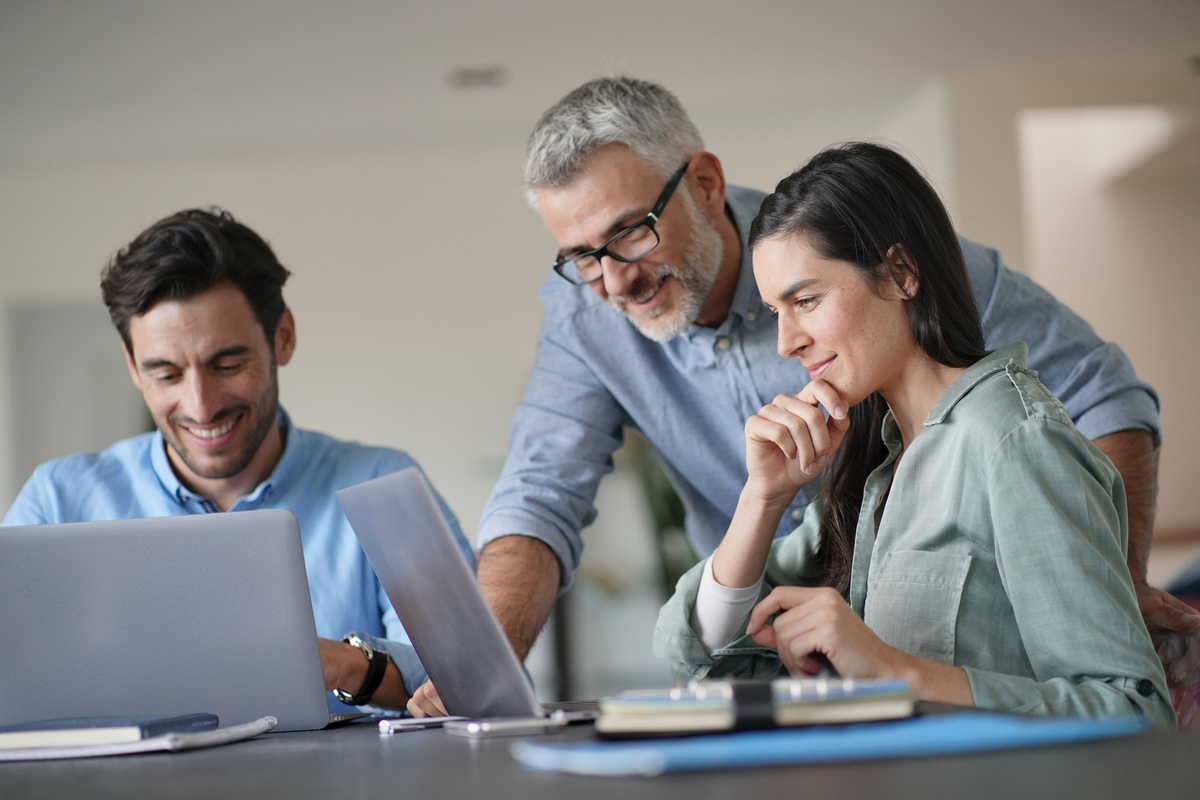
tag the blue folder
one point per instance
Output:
(940, 734)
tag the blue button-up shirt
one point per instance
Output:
(134, 478)
(595, 374)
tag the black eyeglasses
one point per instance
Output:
(629, 244)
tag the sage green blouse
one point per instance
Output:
(998, 545)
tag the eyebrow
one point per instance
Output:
(232, 350)
(619, 224)
(792, 288)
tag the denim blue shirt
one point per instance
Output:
(594, 374)
(134, 478)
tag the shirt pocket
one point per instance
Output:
(913, 603)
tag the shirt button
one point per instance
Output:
(1145, 687)
(797, 514)
(723, 343)
(751, 316)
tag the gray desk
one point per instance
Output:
(356, 762)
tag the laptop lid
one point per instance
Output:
(171, 615)
(431, 586)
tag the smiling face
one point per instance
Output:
(844, 330)
(208, 375)
(665, 292)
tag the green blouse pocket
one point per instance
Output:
(912, 604)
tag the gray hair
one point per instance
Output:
(641, 115)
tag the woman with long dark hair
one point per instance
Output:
(966, 538)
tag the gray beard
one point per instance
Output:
(702, 262)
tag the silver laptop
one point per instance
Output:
(207, 613)
(431, 586)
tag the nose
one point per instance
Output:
(618, 275)
(201, 397)
(793, 339)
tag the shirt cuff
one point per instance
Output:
(720, 613)
(405, 658)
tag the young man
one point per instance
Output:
(658, 325)
(198, 301)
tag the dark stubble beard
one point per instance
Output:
(268, 403)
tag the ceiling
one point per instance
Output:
(113, 79)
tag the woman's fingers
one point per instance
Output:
(820, 392)
(806, 629)
(797, 428)
(781, 598)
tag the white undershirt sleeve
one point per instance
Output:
(721, 612)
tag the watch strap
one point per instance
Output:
(377, 662)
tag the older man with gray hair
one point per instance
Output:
(653, 321)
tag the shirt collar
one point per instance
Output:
(747, 304)
(1011, 355)
(182, 494)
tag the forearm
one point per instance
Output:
(742, 555)
(345, 667)
(519, 576)
(1136, 458)
(936, 682)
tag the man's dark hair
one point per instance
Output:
(187, 254)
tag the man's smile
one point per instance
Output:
(211, 434)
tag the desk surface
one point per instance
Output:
(356, 761)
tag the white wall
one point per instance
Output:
(413, 282)
(414, 270)
(1117, 238)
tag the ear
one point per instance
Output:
(708, 182)
(132, 367)
(903, 269)
(285, 337)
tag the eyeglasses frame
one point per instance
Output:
(649, 221)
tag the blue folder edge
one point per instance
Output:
(941, 734)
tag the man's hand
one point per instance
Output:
(1164, 612)
(425, 702)
(519, 576)
(1175, 630)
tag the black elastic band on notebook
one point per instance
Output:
(752, 706)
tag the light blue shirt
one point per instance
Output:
(134, 478)
(595, 374)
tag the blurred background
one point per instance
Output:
(378, 147)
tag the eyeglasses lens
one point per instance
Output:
(628, 245)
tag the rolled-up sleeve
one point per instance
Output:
(560, 445)
(1094, 379)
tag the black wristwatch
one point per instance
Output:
(377, 661)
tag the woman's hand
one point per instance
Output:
(816, 624)
(789, 441)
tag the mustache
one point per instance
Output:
(224, 413)
(645, 286)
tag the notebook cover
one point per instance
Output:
(942, 734)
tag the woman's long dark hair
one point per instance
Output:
(866, 205)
